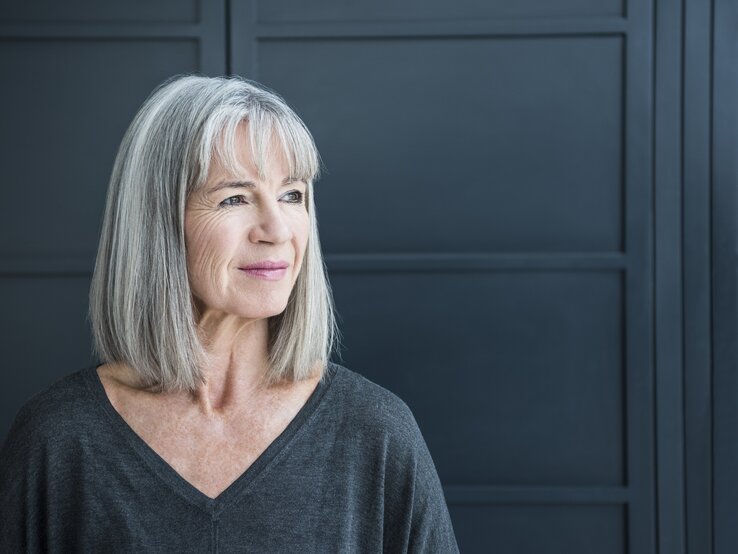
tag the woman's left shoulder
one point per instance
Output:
(381, 431)
(372, 408)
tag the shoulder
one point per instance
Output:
(373, 409)
(40, 458)
(50, 414)
(386, 438)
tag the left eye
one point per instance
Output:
(296, 196)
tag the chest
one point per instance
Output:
(209, 455)
(210, 459)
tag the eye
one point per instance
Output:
(296, 197)
(233, 201)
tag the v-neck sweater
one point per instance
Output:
(350, 473)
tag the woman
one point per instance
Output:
(216, 422)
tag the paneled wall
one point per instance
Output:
(525, 208)
(486, 212)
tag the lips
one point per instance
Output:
(267, 265)
(268, 270)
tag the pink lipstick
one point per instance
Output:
(267, 269)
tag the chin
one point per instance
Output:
(263, 312)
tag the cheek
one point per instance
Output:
(207, 257)
(204, 267)
(301, 234)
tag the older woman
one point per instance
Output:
(216, 422)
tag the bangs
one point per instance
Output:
(270, 134)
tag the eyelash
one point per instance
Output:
(241, 199)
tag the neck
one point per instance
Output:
(236, 360)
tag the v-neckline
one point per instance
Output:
(177, 482)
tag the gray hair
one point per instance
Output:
(141, 307)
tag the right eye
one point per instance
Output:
(233, 201)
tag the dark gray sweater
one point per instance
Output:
(351, 473)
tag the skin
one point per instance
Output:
(212, 436)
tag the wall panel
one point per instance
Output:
(54, 201)
(515, 377)
(465, 145)
(581, 529)
(281, 11)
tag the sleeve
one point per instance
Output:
(431, 529)
(417, 519)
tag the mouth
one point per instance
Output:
(267, 274)
(268, 270)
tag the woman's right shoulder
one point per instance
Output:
(53, 411)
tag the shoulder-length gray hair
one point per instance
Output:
(141, 306)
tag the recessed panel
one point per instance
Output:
(514, 377)
(88, 11)
(68, 105)
(549, 529)
(461, 145)
(273, 11)
(45, 336)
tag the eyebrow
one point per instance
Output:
(246, 184)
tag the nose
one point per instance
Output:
(271, 225)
